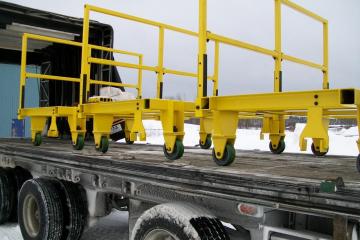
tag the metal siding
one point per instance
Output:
(9, 96)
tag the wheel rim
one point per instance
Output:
(160, 234)
(31, 216)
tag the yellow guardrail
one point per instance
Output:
(24, 75)
(160, 70)
(277, 54)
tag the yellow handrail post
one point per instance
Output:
(216, 69)
(278, 48)
(23, 71)
(139, 87)
(84, 56)
(160, 67)
(326, 55)
(202, 55)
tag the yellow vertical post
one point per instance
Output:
(160, 70)
(23, 71)
(216, 69)
(326, 55)
(84, 57)
(278, 48)
(140, 77)
(202, 57)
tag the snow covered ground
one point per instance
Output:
(342, 142)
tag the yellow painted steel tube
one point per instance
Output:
(216, 69)
(52, 77)
(141, 20)
(106, 49)
(140, 77)
(180, 73)
(121, 64)
(241, 44)
(52, 40)
(85, 66)
(23, 71)
(160, 71)
(113, 84)
(303, 62)
(278, 48)
(202, 45)
(326, 55)
(303, 10)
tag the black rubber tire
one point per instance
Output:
(177, 152)
(104, 144)
(207, 144)
(21, 175)
(207, 228)
(38, 139)
(80, 143)
(280, 148)
(128, 141)
(7, 195)
(316, 152)
(73, 198)
(50, 209)
(358, 163)
(228, 156)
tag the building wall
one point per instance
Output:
(9, 96)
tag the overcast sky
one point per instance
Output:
(252, 21)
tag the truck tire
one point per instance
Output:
(40, 210)
(74, 211)
(178, 222)
(7, 194)
(21, 175)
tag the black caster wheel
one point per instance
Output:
(80, 143)
(207, 144)
(316, 152)
(280, 148)
(177, 152)
(128, 141)
(228, 156)
(38, 139)
(358, 163)
(104, 145)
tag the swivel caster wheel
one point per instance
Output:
(177, 152)
(228, 156)
(207, 144)
(279, 149)
(104, 145)
(80, 143)
(317, 152)
(38, 139)
(128, 141)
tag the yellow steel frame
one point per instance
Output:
(318, 106)
(218, 114)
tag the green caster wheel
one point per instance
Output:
(358, 163)
(177, 153)
(228, 156)
(104, 145)
(280, 148)
(207, 144)
(80, 142)
(38, 139)
(128, 141)
(316, 152)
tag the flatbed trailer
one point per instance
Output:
(263, 195)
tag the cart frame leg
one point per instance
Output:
(134, 128)
(102, 127)
(316, 128)
(225, 124)
(77, 127)
(275, 126)
(173, 124)
(37, 125)
(206, 125)
(53, 130)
